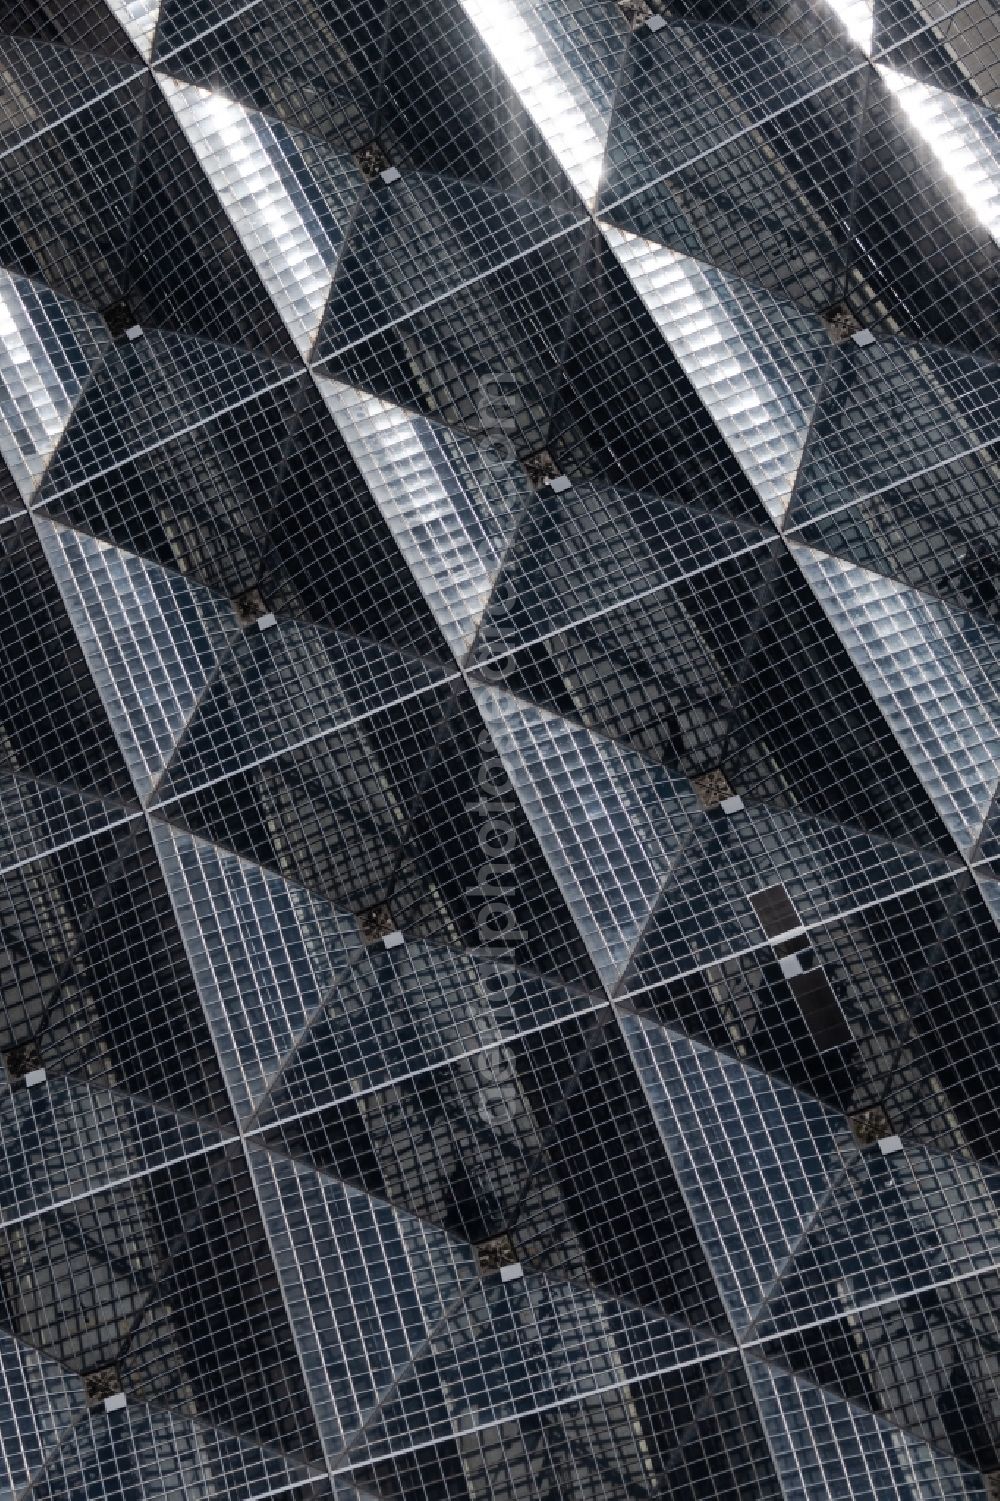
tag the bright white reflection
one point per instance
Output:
(574, 126)
(441, 519)
(247, 165)
(858, 19)
(38, 386)
(139, 18)
(964, 146)
(741, 357)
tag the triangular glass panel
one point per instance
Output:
(53, 725)
(264, 954)
(755, 362)
(928, 269)
(485, 357)
(757, 177)
(420, 241)
(332, 559)
(827, 869)
(152, 640)
(66, 190)
(36, 815)
(39, 1403)
(695, 84)
(214, 1254)
(149, 391)
(425, 122)
(605, 1209)
(888, 412)
(282, 686)
(753, 1157)
(64, 1140)
(563, 67)
(316, 68)
(289, 198)
(934, 531)
(451, 504)
(332, 812)
(201, 501)
(579, 552)
(188, 269)
(455, 1146)
(45, 83)
(126, 1014)
(792, 741)
(111, 1257)
(826, 1449)
(471, 871)
(404, 1010)
(934, 673)
(964, 139)
(896, 1222)
(139, 19)
(353, 1350)
(643, 674)
(536, 1342)
(611, 824)
(48, 349)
